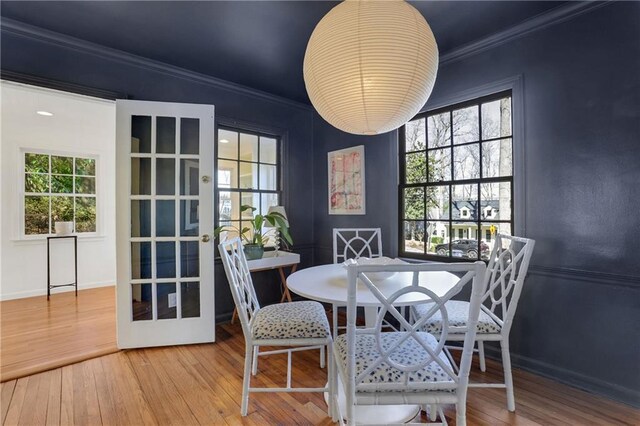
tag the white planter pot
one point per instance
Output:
(64, 228)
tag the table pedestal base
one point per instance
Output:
(376, 414)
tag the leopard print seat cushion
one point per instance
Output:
(409, 353)
(293, 320)
(458, 313)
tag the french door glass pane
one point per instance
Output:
(165, 218)
(141, 134)
(140, 176)
(189, 259)
(140, 218)
(140, 260)
(189, 222)
(248, 175)
(167, 300)
(165, 259)
(165, 176)
(229, 206)
(166, 135)
(141, 302)
(190, 295)
(189, 177)
(189, 136)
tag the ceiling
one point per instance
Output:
(258, 44)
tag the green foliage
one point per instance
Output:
(36, 163)
(85, 166)
(36, 215)
(36, 183)
(85, 214)
(257, 234)
(61, 165)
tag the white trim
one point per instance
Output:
(47, 90)
(91, 154)
(43, 291)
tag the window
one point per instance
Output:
(58, 188)
(248, 173)
(456, 178)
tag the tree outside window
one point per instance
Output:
(456, 166)
(59, 188)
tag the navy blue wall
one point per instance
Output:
(579, 315)
(57, 62)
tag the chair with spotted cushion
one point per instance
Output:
(408, 366)
(505, 276)
(295, 326)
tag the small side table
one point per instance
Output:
(274, 260)
(75, 264)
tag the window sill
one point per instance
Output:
(43, 239)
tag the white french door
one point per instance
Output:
(164, 217)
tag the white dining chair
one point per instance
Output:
(353, 243)
(409, 366)
(296, 326)
(506, 271)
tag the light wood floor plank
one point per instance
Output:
(202, 384)
(6, 393)
(39, 335)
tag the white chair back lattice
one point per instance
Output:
(505, 276)
(404, 358)
(239, 277)
(354, 243)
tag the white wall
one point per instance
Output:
(80, 125)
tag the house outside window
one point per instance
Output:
(58, 188)
(248, 173)
(456, 177)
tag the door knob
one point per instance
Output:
(206, 179)
(205, 238)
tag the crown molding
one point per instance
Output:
(20, 29)
(554, 16)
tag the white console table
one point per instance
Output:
(275, 260)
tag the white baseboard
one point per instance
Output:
(43, 291)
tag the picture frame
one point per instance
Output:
(346, 181)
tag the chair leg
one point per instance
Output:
(433, 412)
(254, 366)
(461, 412)
(335, 321)
(246, 380)
(483, 365)
(322, 357)
(508, 378)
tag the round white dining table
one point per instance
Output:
(328, 283)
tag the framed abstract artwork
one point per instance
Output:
(346, 181)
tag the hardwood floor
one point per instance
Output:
(37, 335)
(201, 384)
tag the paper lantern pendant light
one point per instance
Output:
(370, 65)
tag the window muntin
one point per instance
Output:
(456, 179)
(248, 173)
(59, 188)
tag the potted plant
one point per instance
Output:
(63, 217)
(263, 227)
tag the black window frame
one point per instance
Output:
(279, 191)
(450, 183)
